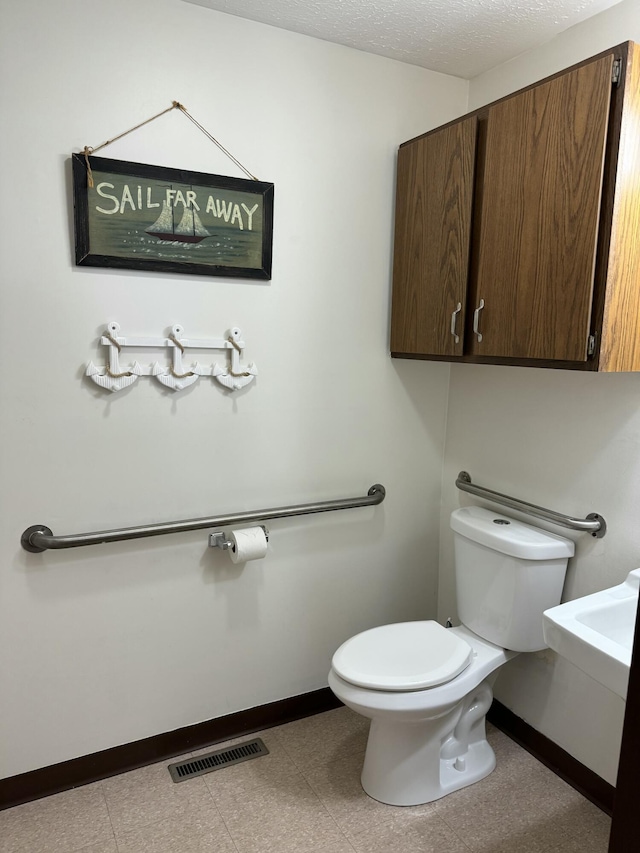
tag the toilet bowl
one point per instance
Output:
(426, 688)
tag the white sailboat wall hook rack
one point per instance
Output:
(176, 375)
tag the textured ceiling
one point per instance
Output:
(460, 37)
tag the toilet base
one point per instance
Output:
(478, 762)
(408, 764)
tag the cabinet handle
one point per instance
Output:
(476, 320)
(454, 318)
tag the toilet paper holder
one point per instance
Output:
(219, 540)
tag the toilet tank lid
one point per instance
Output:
(509, 536)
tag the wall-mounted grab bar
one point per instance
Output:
(593, 523)
(40, 538)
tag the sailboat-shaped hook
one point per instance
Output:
(112, 377)
(235, 377)
(176, 377)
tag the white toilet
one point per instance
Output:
(427, 688)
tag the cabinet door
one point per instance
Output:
(432, 241)
(539, 219)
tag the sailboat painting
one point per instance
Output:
(137, 216)
(189, 230)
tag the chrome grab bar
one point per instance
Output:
(593, 523)
(39, 538)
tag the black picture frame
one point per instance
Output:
(142, 217)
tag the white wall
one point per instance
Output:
(101, 646)
(560, 439)
(613, 26)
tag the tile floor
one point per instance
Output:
(305, 797)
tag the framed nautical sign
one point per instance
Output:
(135, 216)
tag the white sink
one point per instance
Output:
(596, 632)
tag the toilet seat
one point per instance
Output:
(402, 656)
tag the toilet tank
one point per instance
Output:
(507, 574)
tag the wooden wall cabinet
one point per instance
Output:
(517, 234)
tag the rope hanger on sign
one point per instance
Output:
(176, 105)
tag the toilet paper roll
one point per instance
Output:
(250, 543)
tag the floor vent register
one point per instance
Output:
(218, 759)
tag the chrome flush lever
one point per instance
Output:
(454, 319)
(476, 320)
